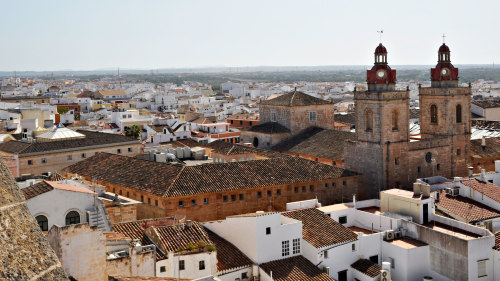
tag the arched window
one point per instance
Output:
(434, 114)
(72, 217)
(459, 113)
(255, 142)
(395, 116)
(43, 222)
(369, 119)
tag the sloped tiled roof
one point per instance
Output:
(319, 229)
(465, 208)
(492, 103)
(176, 238)
(295, 268)
(317, 142)
(166, 180)
(367, 267)
(295, 98)
(486, 188)
(227, 148)
(269, 128)
(492, 148)
(36, 189)
(91, 139)
(497, 240)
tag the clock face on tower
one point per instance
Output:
(381, 74)
(445, 72)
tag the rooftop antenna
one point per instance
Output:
(380, 32)
(444, 36)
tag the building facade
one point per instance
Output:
(385, 153)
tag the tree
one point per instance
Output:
(133, 131)
(62, 110)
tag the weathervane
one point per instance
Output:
(444, 36)
(380, 32)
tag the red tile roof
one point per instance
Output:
(497, 241)
(295, 98)
(367, 267)
(465, 208)
(46, 186)
(487, 188)
(319, 229)
(176, 238)
(228, 256)
(295, 268)
(167, 180)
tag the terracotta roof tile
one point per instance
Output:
(175, 238)
(317, 142)
(227, 148)
(91, 139)
(36, 189)
(492, 148)
(295, 268)
(295, 98)
(269, 128)
(167, 180)
(228, 256)
(319, 229)
(492, 103)
(367, 267)
(488, 189)
(465, 208)
(497, 240)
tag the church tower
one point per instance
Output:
(382, 130)
(445, 112)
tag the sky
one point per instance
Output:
(94, 35)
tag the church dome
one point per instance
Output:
(444, 48)
(380, 49)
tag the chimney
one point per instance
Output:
(416, 189)
(483, 175)
(471, 169)
(426, 190)
(354, 200)
(189, 223)
(497, 166)
(483, 143)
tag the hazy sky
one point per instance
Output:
(88, 35)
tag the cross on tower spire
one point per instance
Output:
(380, 32)
(444, 36)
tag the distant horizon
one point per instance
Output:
(91, 35)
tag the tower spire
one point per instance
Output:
(444, 36)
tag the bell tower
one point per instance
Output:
(382, 130)
(445, 112)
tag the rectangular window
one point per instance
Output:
(296, 246)
(181, 204)
(119, 151)
(269, 193)
(44, 160)
(343, 219)
(393, 262)
(259, 194)
(325, 254)
(130, 149)
(344, 183)
(163, 268)
(296, 189)
(181, 265)
(233, 197)
(83, 155)
(458, 151)
(419, 170)
(285, 248)
(353, 247)
(201, 265)
(241, 196)
(244, 275)
(156, 201)
(481, 268)
(268, 230)
(311, 188)
(205, 201)
(396, 161)
(274, 117)
(333, 185)
(149, 200)
(70, 157)
(193, 202)
(278, 192)
(142, 199)
(224, 198)
(438, 167)
(30, 162)
(312, 116)
(303, 189)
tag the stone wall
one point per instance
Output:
(26, 254)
